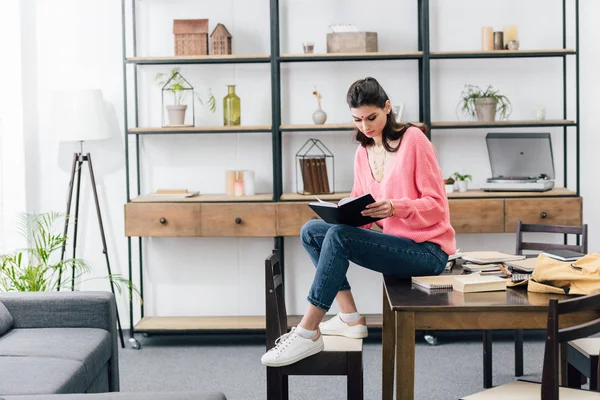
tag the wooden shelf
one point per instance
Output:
(502, 54)
(476, 193)
(205, 198)
(311, 197)
(410, 55)
(234, 323)
(315, 127)
(219, 59)
(502, 124)
(200, 130)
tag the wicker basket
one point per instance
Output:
(191, 37)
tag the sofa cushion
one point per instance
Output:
(6, 320)
(126, 396)
(37, 375)
(90, 346)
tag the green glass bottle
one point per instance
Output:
(231, 107)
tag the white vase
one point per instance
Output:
(319, 116)
(449, 187)
(176, 115)
(462, 186)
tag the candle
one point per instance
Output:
(238, 188)
(229, 179)
(487, 38)
(249, 183)
(511, 32)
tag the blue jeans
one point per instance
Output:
(332, 247)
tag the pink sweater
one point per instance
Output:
(415, 184)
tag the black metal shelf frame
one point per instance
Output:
(424, 57)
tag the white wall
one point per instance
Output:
(78, 43)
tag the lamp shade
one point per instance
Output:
(80, 115)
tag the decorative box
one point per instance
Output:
(352, 42)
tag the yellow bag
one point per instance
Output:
(554, 276)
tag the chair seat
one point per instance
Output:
(519, 390)
(341, 343)
(587, 346)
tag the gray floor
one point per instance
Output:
(231, 365)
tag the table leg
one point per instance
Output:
(405, 355)
(388, 342)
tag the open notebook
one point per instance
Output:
(434, 282)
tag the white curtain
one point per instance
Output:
(12, 151)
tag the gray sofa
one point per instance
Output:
(64, 346)
(58, 342)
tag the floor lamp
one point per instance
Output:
(83, 119)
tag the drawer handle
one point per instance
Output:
(238, 220)
(543, 215)
(163, 221)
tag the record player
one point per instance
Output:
(521, 162)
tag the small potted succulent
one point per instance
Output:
(449, 183)
(462, 181)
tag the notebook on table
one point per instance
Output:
(489, 257)
(563, 255)
(527, 265)
(434, 282)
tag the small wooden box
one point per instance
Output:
(352, 42)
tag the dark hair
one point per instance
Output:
(368, 92)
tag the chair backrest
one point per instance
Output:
(556, 335)
(579, 231)
(276, 315)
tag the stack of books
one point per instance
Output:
(174, 193)
(314, 175)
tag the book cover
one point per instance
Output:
(347, 211)
(527, 265)
(564, 255)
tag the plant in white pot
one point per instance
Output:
(462, 181)
(484, 105)
(449, 184)
(175, 84)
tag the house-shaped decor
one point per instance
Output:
(191, 37)
(220, 40)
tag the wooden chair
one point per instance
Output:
(581, 233)
(341, 356)
(555, 336)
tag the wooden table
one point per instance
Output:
(407, 308)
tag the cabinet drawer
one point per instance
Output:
(258, 219)
(164, 219)
(291, 217)
(554, 211)
(475, 216)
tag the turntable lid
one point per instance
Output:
(520, 154)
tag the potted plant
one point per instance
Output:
(484, 105)
(178, 86)
(462, 181)
(39, 267)
(449, 183)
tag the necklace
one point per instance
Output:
(379, 165)
(380, 151)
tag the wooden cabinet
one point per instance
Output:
(554, 211)
(269, 219)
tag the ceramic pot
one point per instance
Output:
(449, 187)
(485, 108)
(319, 116)
(176, 114)
(462, 186)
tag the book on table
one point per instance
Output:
(563, 255)
(478, 283)
(489, 257)
(434, 282)
(174, 193)
(526, 266)
(347, 211)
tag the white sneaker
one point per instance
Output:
(291, 348)
(336, 327)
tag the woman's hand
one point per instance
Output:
(379, 209)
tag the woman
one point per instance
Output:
(397, 164)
